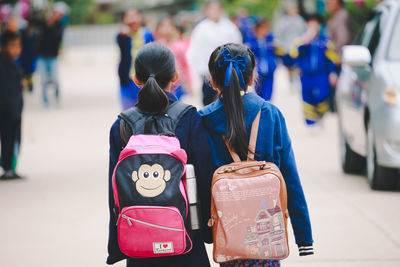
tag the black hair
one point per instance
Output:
(7, 37)
(236, 134)
(260, 22)
(155, 67)
(316, 17)
(341, 3)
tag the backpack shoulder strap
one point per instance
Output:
(176, 111)
(131, 116)
(127, 124)
(253, 137)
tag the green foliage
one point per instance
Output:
(103, 18)
(265, 8)
(80, 10)
(359, 14)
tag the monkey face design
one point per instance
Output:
(151, 180)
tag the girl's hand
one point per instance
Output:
(310, 34)
(24, 84)
(125, 30)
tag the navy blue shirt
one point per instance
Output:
(273, 145)
(193, 139)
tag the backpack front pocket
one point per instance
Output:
(151, 231)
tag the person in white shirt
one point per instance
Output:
(215, 30)
(289, 27)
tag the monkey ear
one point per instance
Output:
(167, 175)
(135, 176)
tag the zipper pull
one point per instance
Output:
(128, 219)
(210, 222)
(119, 216)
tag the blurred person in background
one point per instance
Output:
(244, 22)
(314, 55)
(338, 24)
(289, 27)
(28, 58)
(130, 39)
(11, 101)
(170, 35)
(339, 32)
(49, 43)
(267, 53)
(213, 31)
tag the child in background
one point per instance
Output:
(28, 58)
(131, 38)
(315, 57)
(10, 101)
(267, 53)
(168, 34)
(49, 41)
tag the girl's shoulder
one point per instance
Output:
(213, 114)
(212, 108)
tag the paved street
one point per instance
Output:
(57, 216)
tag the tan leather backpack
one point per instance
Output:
(249, 208)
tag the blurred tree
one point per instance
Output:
(80, 10)
(359, 13)
(265, 8)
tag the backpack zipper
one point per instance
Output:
(129, 219)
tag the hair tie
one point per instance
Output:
(152, 75)
(239, 63)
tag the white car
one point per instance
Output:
(368, 100)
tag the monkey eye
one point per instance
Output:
(146, 175)
(155, 174)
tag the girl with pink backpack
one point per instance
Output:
(150, 145)
(230, 119)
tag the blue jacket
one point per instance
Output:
(125, 46)
(193, 139)
(273, 145)
(317, 57)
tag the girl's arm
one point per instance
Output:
(297, 204)
(116, 145)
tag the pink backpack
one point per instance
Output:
(148, 188)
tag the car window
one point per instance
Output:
(394, 45)
(371, 34)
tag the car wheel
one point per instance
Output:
(351, 161)
(379, 178)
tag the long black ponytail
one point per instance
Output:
(236, 133)
(155, 67)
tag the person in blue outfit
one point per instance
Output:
(267, 53)
(315, 56)
(155, 72)
(231, 67)
(131, 38)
